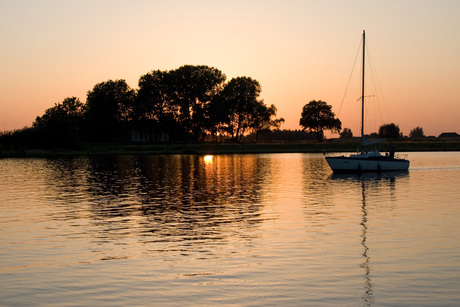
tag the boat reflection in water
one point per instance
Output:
(368, 181)
(255, 229)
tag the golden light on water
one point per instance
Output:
(208, 158)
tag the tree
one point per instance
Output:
(218, 116)
(193, 88)
(155, 110)
(346, 133)
(417, 133)
(70, 110)
(262, 119)
(238, 101)
(62, 124)
(390, 131)
(109, 104)
(317, 116)
(153, 99)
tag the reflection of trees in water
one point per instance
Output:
(66, 187)
(178, 202)
(177, 198)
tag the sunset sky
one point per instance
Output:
(298, 50)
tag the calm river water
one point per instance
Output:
(241, 230)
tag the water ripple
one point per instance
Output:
(234, 230)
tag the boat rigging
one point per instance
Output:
(370, 161)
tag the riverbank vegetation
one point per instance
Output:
(188, 110)
(207, 148)
(187, 104)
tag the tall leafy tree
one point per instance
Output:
(154, 96)
(239, 97)
(70, 111)
(417, 133)
(317, 116)
(61, 124)
(218, 116)
(155, 109)
(390, 131)
(193, 88)
(264, 120)
(109, 105)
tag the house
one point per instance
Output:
(449, 135)
(141, 136)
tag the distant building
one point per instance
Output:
(449, 135)
(141, 136)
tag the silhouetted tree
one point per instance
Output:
(239, 98)
(417, 133)
(263, 119)
(390, 131)
(346, 133)
(372, 135)
(218, 116)
(317, 116)
(186, 103)
(109, 104)
(61, 125)
(154, 97)
(70, 110)
(154, 109)
(193, 88)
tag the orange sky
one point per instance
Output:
(298, 50)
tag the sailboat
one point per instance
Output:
(367, 161)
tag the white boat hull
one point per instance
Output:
(366, 164)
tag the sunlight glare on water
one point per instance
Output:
(251, 230)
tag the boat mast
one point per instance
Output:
(362, 94)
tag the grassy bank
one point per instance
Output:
(227, 148)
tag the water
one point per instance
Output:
(237, 230)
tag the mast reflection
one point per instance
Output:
(368, 181)
(368, 296)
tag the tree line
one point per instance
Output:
(188, 104)
(317, 116)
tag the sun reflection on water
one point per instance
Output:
(208, 159)
(196, 224)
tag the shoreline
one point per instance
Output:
(330, 146)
